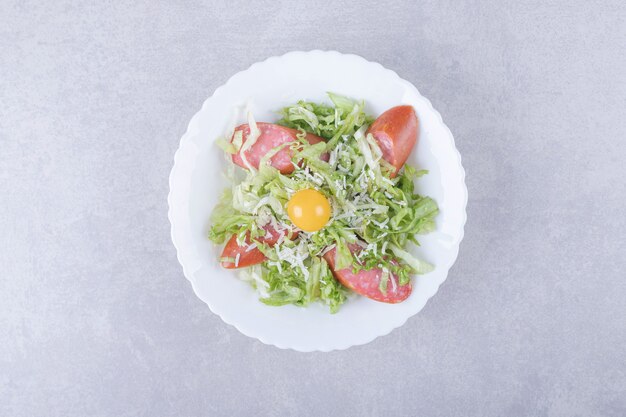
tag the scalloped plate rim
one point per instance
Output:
(181, 148)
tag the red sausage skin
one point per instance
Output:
(366, 282)
(272, 136)
(396, 133)
(248, 257)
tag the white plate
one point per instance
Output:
(196, 182)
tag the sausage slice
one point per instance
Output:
(366, 282)
(396, 132)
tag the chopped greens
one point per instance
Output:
(380, 213)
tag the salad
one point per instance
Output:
(322, 204)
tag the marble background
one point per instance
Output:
(96, 318)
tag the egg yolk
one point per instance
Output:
(309, 210)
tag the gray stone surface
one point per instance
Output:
(96, 318)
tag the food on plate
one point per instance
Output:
(325, 205)
(235, 255)
(268, 137)
(395, 132)
(376, 283)
(309, 210)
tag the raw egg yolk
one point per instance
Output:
(309, 210)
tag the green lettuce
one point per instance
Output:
(382, 214)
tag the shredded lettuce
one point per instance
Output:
(342, 103)
(225, 222)
(375, 217)
(329, 122)
(418, 266)
(227, 146)
(384, 280)
(284, 285)
(244, 147)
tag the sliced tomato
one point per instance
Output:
(367, 282)
(396, 133)
(250, 255)
(272, 136)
